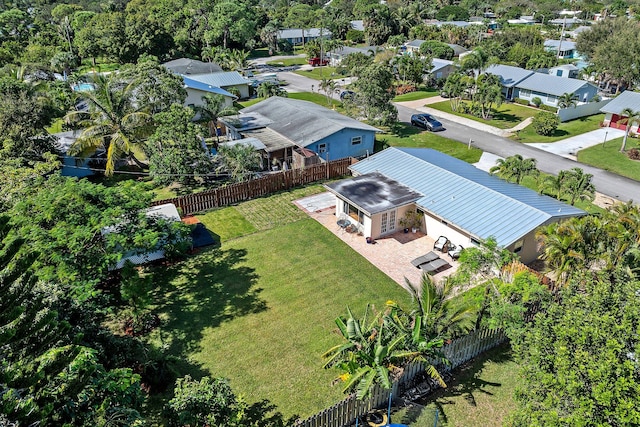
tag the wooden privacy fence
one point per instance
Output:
(516, 267)
(457, 352)
(268, 184)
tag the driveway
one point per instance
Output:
(569, 147)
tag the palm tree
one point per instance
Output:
(238, 59)
(579, 185)
(563, 250)
(212, 108)
(554, 185)
(515, 167)
(113, 123)
(567, 100)
(488, 92)
(268, 89)
(630, 118)
(329, 87)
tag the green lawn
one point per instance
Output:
(259, 310)
(287, 62)
(419, 94)
(565, 130)
(403, 135)
(319, 73)
(480, 395)
(610, 158)
(504, 117)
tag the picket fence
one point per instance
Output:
(268, 184)
(457, 352)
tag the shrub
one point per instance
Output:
(355, 36)
(634, 154)
(554, 110)
(536, 101)
(402, 89)
(545, 123)
(521, 101)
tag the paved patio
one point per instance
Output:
(392, 254)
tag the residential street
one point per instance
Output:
(610, 184)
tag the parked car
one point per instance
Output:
(426, 121)
(346, 94)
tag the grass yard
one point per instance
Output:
(504, 117)
(481, 395)
(565, 130)
(259, 310)
(287, 62)
(414, 96)
(610, 158)
(258, 214)
(319, 73)
(404, 135)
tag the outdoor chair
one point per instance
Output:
(454, 251)
(441, 243)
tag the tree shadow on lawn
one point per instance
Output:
(466, 382)
(203, 292)
(507, 118)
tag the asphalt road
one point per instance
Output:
(607, 183)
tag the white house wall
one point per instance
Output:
(194, 98)
(243, 89)
(436, 228)
(529, 251)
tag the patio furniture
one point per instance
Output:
(441, 243)
(431, 256)
(343, 223)
(434, 266)
(455, 251)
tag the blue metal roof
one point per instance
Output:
(509, 76)
(222, 79)
(467, 197)
(553, 85)
(194, 84)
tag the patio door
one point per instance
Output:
(384, 218)
(392, 221)
(387, 222)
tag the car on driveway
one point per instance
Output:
(426, 121)
(346, 94)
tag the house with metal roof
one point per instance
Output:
(614, 110)
(568, 71)
(197, 89)
(565, 49)
(284, 124)
(509, 77)
(457, 200)
(549, 88)
(441, 68)
(225, 80)
(294, 35)
(337, 55)
(191, 67)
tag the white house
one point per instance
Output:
(457, 200)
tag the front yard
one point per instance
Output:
(565, 130)
(260, 309)
(504, 117)
(319, 73)
(404, 135)
(611, 159)
(419, 94)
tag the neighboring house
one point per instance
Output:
(357, 25)
(284, 125)
(294, 35)
(197, 89)
(568, 71)
(459, 201)
(457, 49)
(565, 49)
(441, 68)
(509, 77)
(190, 67)
(225, 80)
(74, 166)
(549, 88)
(336, 56)
(461, 24)
(566, 22)
(413, 46)
(576, 31)
(523, 20)
(613, 110)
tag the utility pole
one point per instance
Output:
(564, 24)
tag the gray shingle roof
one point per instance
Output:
(222, 79)
(191, 66)
(302, 121)
(509, 76)
(552, 85)
(294, 33)
(626, 99)
(465, 196)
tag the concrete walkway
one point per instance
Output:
(569, 147)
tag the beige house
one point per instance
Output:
(454, 198)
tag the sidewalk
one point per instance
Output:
(569, 147)
(421, 105)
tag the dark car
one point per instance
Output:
(426, 121)
(347, 94)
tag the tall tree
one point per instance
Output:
(579, 186)
(240, 161)
(329, 87)
(374, 94)
(213, 107)
(300, 16)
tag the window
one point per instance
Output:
(518, 246)
(356, 140)
(552, 99)
(559, 73)
(322, 148)
(524, 93)
(383, 223)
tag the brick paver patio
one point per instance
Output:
(392, 254)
